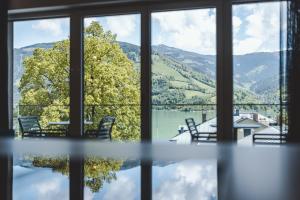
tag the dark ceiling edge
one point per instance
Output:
(90, 7)
(30, 6)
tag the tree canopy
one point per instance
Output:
(111, 83)
(96, 171)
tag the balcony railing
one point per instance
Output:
(166, 118)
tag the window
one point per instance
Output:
(41, 89)
(256, 47)
(41, 71)
(183, 71)
(112, 74)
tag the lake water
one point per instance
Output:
(165, 123)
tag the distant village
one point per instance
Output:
(245, 125)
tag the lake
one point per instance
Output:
(165, 123)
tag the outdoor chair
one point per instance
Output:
(266, 138)
(199, 136)
(104, 129)
(30, 127)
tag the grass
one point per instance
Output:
(159, 67)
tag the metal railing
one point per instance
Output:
(209, 110)
(269, 110)
(269, 138)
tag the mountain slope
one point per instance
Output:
(180, 76)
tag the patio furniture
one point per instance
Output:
(67, 123)
(267, 138)
(199, 136)
(104, 129)
(30, 127)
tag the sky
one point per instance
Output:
(256, 28)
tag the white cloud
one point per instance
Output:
(236, 23)
(52, 26)
(191, 181)
(256, 28)
(261, 30)
(123, 26)
(122, 188)
(193, 30)
(88, 21)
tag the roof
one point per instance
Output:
(269, 130)
(242, 121)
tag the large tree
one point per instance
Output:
(110, 79)
(96, 171)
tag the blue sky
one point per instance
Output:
(256, 28)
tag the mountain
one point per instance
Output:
(201, 63)
(180, 76)
(19, 55)
(256, 75)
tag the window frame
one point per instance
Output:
(19, 10)
(223, 28)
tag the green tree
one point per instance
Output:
(96, 171)
(111, 83)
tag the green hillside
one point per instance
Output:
(176, 83)
(181, 77)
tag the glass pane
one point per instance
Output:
(183, 73)
(41, 74)
(112, 75)
(256, 45)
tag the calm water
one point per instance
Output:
(165, 123)
(111, 180)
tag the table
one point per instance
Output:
(243, 173)
(67, 123)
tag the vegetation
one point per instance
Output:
(111, 83)
(96, 171)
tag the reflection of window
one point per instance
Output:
(183, 69)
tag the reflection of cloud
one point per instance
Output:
(123, 25)
(88, 194)
(52, 26)
(191, 181)
(122, 188)
(39, 183)
(193, 30)
(49, 189)
(262, 28)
